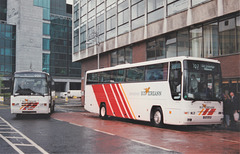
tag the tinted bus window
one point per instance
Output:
(155, 72)
(135, 74)
(92, 78)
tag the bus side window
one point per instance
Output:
(154, 72)
(135, 74)
(120, 75)
(92, 78)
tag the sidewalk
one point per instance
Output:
(72, 104)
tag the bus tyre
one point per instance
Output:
(18, 115)
(157, 118)
(103, 111)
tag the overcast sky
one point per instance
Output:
(70, 1)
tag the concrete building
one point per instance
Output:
(43, 39)
(130, 31)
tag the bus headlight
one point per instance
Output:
(15, 104)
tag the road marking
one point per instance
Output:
(230, 141)
(15, 137)
(75, 124)
(58, 119)
(26, 145)
(103, 132)
(152, 145)
(8, 132)
(11, 144)
(5, 128)
(25, 137)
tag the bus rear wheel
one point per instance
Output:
(157, 118)
(103, 111)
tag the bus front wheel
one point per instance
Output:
(103, 111)
(157, 118)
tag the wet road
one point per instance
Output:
(201, 139)
(71, 130)
(44, 134)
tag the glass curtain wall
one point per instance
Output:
(211, 39)
(7, 49)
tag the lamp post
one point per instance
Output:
(95, 39)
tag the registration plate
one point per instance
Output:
(207, 117)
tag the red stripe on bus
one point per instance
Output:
(101, 97)
(124, 102)
(211, 111)
(205, 112)
(119, 101)
(112, 100)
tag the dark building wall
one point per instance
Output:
(139, 52)
(3, 10)
(230, 66)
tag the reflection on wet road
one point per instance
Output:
(181, 139)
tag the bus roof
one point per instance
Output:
(30, 72)
(180, 58)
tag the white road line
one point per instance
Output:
(29, 140)
(75, 124)
(15, 137)
(103, 132)
(151, 145)
(8, 132)
(25, 145)
(230, 141)
(11, 144)
(58, 119)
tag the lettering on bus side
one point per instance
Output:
(148, 92)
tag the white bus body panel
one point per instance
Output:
(30, 104)
(139, 98)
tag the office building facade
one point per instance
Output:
(43, 39)
(7, 50)
(129, 31)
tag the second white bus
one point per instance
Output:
(32, 93)
(176, 91)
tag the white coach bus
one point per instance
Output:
(32, 93)
(176, 91)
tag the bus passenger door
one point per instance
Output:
(175, 79)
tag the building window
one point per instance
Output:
(210, 36)
(76, 16)
(175, 6)
(171, 44)
(155, 10)
(83, 37)
(121, 56)
(137, 14)
(197, 2)
(123, 17)
(111, 20)
(46, 44)
(45, 4)
(91, 5)
(227, 39)
(100, 22)
(183, 42)
(76, 40)
(196, 42)
(238, 36)
(156, 48)
(45, 62)
(46, 29)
